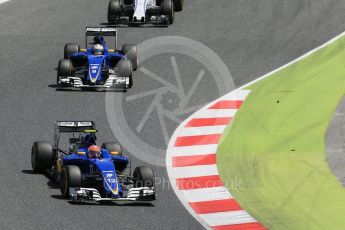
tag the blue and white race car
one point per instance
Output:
(87, 172)
(97, 66)
(160, 12)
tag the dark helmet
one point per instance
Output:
(98, 40)
(88, 139)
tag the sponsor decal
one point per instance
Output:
(67, 124)
(74, 124)
(95, 71)
(100, 29)
(109, 175)
(111, 180)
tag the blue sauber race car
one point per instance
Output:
(160, 12)
(87, 172)
(97, 66)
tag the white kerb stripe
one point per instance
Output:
(2, 1)
(214, 113)
(194, 171)
(227, 218)
(206, 194)
(204, 130)
(193, 150)
(236, 95)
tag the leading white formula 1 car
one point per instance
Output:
(159, 12)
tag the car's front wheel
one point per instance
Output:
(70, 178)
(143, 177)
(125, 71)
(65, 69)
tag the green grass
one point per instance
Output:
(272, 156)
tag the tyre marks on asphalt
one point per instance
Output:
(192, 166)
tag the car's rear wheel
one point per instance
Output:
(143, 177)
(130, 51)
(113, 148)
(70, 49)
(168, 9)
(41, 156)
(178, 5)
(70, 178)
(114, 10)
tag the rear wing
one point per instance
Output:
(100, 31)
(71, 127)
(74, 126)
(103, 31)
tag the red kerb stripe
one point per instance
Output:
(197, 140)
(199, 122)
(215, 206)
(184, 161)
(198, 182)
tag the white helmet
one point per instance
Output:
(97, 49)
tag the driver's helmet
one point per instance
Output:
(94, 151)
(97, 49)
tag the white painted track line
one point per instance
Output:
(3, 1)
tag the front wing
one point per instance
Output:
(155, 20)
(141, 194)
(111, 82)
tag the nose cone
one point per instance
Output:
(110, 181)
(94, 72)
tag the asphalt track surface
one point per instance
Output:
(252, 37)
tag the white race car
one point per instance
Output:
(159, 12)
